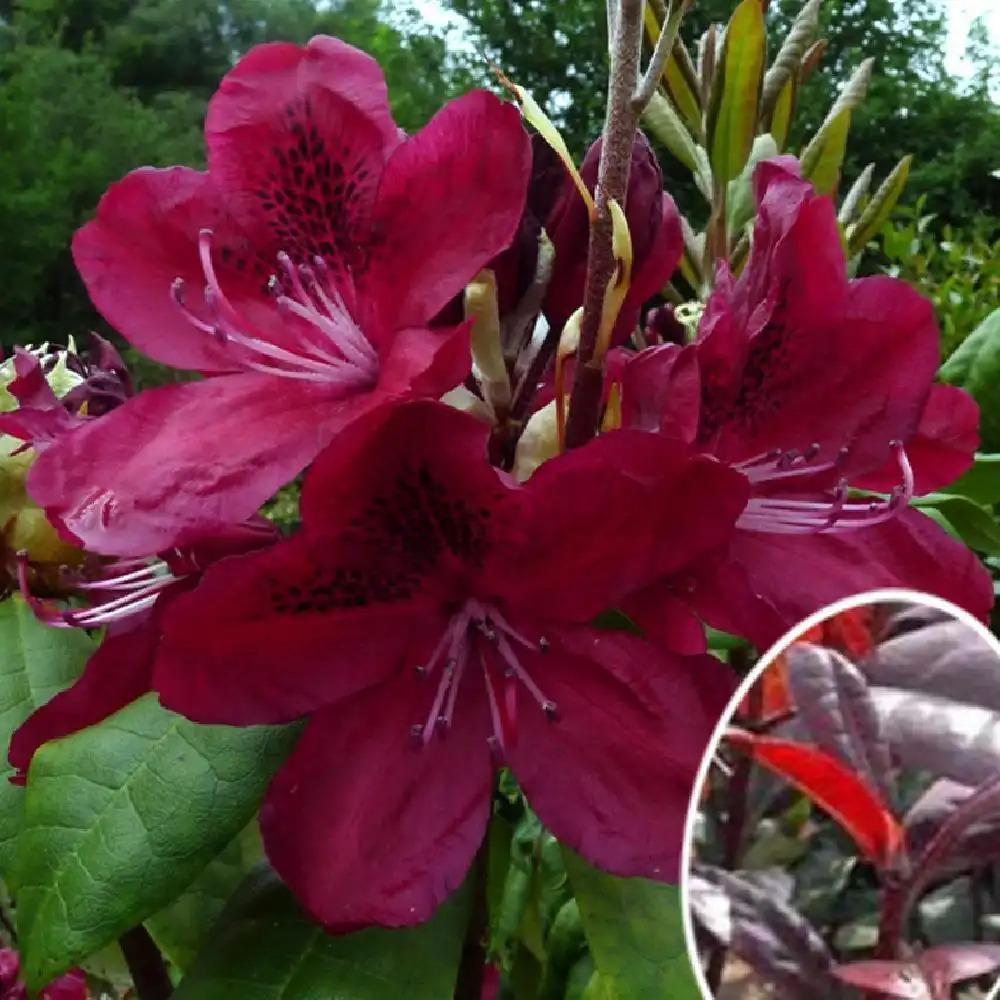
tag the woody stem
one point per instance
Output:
(621, 121)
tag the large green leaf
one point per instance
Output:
(635, 933)
(732, 111)
(120, 818)
(975, 366)
(265, 948)
(981, 483)
(36, 662)
(181, 928)
(976, 525)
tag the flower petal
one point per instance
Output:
(788, 577)
(432, 494)
(941, 450)
(272, 636)
(577, 552)
(144, 236)
(611, 775)
(297, 138)
(450, 200)
(365, 823)
(181, 460)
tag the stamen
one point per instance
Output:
(453, 651)
(791, 515)
(334, 350)
(776, 465)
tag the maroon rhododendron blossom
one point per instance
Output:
(811, 385)
(304, 265)
(128, 597)
(433, 621)
(71, 986)
(654, 227)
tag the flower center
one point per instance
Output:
(331, 347)
(831, 510)
(479, 629)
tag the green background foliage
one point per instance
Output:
(92, 88)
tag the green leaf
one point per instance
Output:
(975, 366)
(121, 817)
(732, 111)
(181, 928)
(265, 948)
(36, 663)
(975, 525)
(981, 483)
(635, 933)
(878, 210)
(823, 157)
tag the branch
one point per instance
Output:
(618, 137)
(658, 61)
(145, 965)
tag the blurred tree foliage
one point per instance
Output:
(90, 89)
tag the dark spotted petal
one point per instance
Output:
(273, 636)
(298, 138)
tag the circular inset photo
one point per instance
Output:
(844, 836)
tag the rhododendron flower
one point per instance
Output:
(46, 392)
(71, 986)
(432, 619)
(127, 598)
(812, 386)
(300, 272)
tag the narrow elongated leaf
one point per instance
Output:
(897, 979)
(779, 944)
(779, 121)
(36, 663)
(833, 701)
(824, 156)
(878, 210)
(120, 818)
(846, 797)
(953, 963)
(981, 806)
(265, 948)
(733, 106)
(946, 739)
(635, 933)
(945, 658)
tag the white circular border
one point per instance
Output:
(892, 594)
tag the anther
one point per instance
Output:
(550, 709)
(543, 644)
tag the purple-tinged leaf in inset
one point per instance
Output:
(905, 618)
(949, 659)
(982, 806)
(779, 944)
(978, 845)
(776, 882)
(832, 699)
(929, 977)
(946, 739)
(896, 979)
(948, 964)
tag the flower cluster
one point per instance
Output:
(436, 618)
